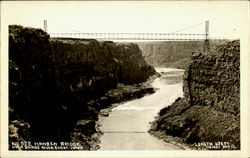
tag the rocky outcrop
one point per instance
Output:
(53, 83)
(214, 79)
(174, 54)
(208, 116)
(19, 131)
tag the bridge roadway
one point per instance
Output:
(132, 36)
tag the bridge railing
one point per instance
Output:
(130, 36)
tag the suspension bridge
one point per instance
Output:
(131, 36)
(170, 36)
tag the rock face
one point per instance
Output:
(175, 54)
(210, 110)
(214, 79)
(18, 131)
(55, 82)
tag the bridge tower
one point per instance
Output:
(206, 46)
(45, 27)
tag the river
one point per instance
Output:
(126, 128)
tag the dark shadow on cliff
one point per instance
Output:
(53, 83)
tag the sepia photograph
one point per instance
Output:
(125, 78)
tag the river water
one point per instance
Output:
(126, 128)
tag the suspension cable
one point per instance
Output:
(187, 27)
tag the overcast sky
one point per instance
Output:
(226, 18)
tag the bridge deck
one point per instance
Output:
(131, 36)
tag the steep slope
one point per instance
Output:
(53, 83)
(209, 114)
(175, 54)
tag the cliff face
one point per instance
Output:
(120, 62)
(214, 79)
(32, 89)
(53, 81)
(209, 113)
(175, 54)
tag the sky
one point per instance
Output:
(226, 18)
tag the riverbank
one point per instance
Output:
(87, 132)
(60, 85)
(126, 125)
(208, 116)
